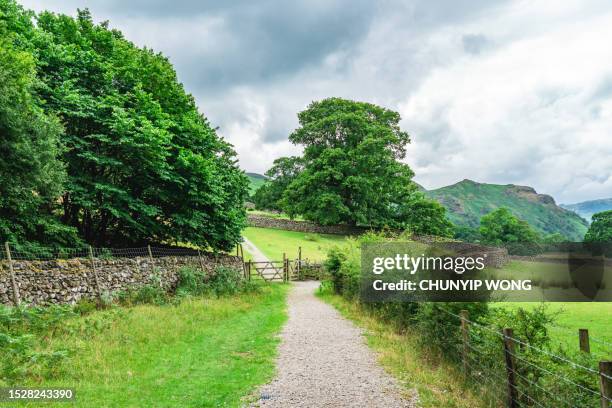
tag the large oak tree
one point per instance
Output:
(352, 171)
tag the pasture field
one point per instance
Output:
(199, 352)
(273, 242)
(571, 316)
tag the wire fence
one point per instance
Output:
(511, 372)
(51, 254)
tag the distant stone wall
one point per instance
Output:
(68, 281)
(302, 226)
(495, 257)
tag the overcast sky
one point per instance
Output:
(495, 91)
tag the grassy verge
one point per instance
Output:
(200, 352)
(273, 242)
(438, 384)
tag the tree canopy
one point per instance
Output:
(351, 172)
(141, 163)
(502, 227)
(600, 230)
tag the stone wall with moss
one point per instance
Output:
(69, 280)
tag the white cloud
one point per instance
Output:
(495, 91)
(521, 113)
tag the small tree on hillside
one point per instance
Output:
(600, 232)
(281, 174)
(501, 227)
(352, 172)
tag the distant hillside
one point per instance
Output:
(586, 209)
(467, 201)
(255, 181)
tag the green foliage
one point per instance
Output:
(502, 228)
(31, 174)
(601, 228)
(133, 140)
(468, 201)
(21, 352)
(282, 173)
(438, 327)
(350, 171)
(223, 281)
(599, 235)
(467, 234)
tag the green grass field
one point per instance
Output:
(201, 352)
(274, 242)
(571, 316)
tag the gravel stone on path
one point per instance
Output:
(324, 362)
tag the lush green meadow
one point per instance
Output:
(274, 242)
(199, 352)
(571, 316)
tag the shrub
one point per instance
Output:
(151, 294)
(20, 328)
(222, 281)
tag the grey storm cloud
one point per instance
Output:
(478, 83)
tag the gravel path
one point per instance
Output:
(324, 362)
(258, 256)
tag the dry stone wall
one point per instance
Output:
(302, 226)
(69, 280)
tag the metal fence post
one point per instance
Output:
(605, 383)
(583, 340)
(510, 367)
(16, 297)
(465, 334)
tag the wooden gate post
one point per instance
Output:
(95, 273)
(16, 297)
(605, 383)
(299, 265)
(284, 267)
(583, 340)
(465, 334)
(510, 367)
(249, 270)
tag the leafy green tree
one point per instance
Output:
(600, 230)
(143, 164)
(352, 172)
(31, 175)
(501, 227)
(280, 175)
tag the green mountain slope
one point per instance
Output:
(467, 201)
(586, 209)
(255, 181)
